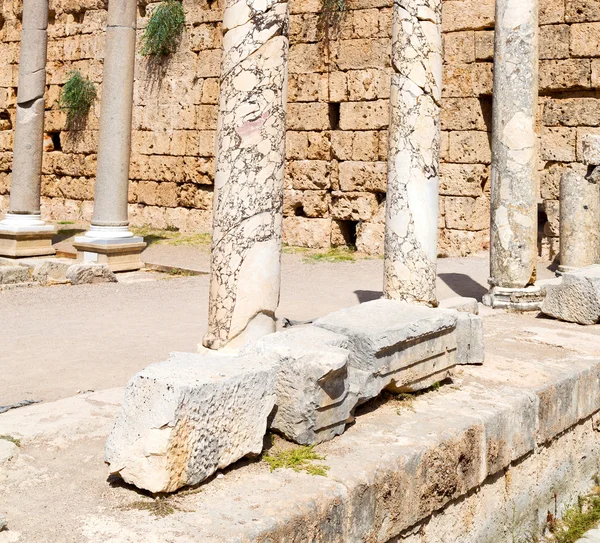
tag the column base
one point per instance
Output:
(23, 236)
(515, 299)
(566, 269)
(119, 254)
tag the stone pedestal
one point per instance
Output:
(579, 220)
(514, 194)
(109, 240)
(22, 232)
(414, 153)
(248, 197)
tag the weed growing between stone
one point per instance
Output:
(76, 97)
(164, 29)
(159, 507)
(577, 520)
(336, 254)
(298, 459)
(12, 439)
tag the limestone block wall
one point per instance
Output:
(339, 80)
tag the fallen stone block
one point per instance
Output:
(576, 298)
(314, 401)
(461, 304)
(85, 274)
(469, 344)
(394, 344)
(12, 275)
(51, 272)
(185, 418)
(590, 149)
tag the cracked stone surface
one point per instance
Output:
(187, 417)
(29, 128)
(414, 152)
(248, 197)
(579, 219)
(513, 243)
(576, 298)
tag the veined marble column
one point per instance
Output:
(109, 240)
(414, 152)
(248, 199)
(514, 194)
(22, 232)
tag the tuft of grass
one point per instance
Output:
(298, 459)
(577, 520)
(164, 29)
(336, 254)
(65, 222)
(77, 96)
(159, 507)
(12, 439)
(171, 236)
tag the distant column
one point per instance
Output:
(109, 240)
(514, 194)
(414, 152)
(248, 199)
(580, 209)
(22, 232)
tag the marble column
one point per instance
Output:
(22, 232)
(514, 187)
(414, 152)
(109, 239)
(248, 198)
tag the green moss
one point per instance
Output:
(76, 97)
(298, 459)
(164, 29)
(12, 439)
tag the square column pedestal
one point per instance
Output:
(25, 236)
(515, 299)
(118, 253)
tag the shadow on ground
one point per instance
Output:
(463, 285)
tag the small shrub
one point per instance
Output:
(298, 459)
(77, 96)
(164, 29)
(12, 439)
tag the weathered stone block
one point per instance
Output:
(585, 40)
(363, 176)
(565, 74)
(303, 232)
(558, 144)
(312, 387)
(577, 298)
(85, 274)
(590, 149)
(364, 115)
(394, 344)
(187, 417)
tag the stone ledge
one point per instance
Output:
(389, 472)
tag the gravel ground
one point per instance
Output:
(57, 341)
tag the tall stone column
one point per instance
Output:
(580, 209)
(109, 240)
(414, 152)
(514, 193)
(248, 199)
(22, 232)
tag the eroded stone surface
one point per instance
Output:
(513, 238)
(576, 298)
(85, 274)
(579, 219)
(414, 152)
(590, 149)
(187, 417)
(313, 385)
(248, 199)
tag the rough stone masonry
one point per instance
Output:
(338, 95)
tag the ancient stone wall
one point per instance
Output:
(339, 81)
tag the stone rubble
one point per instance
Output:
(576, 298)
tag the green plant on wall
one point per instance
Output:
(164, 29)
(77, 96)
(331, 16)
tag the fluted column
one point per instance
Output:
(514, 195)
(248, 199)
(414, 152)
(109, 239)
(23, 233)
